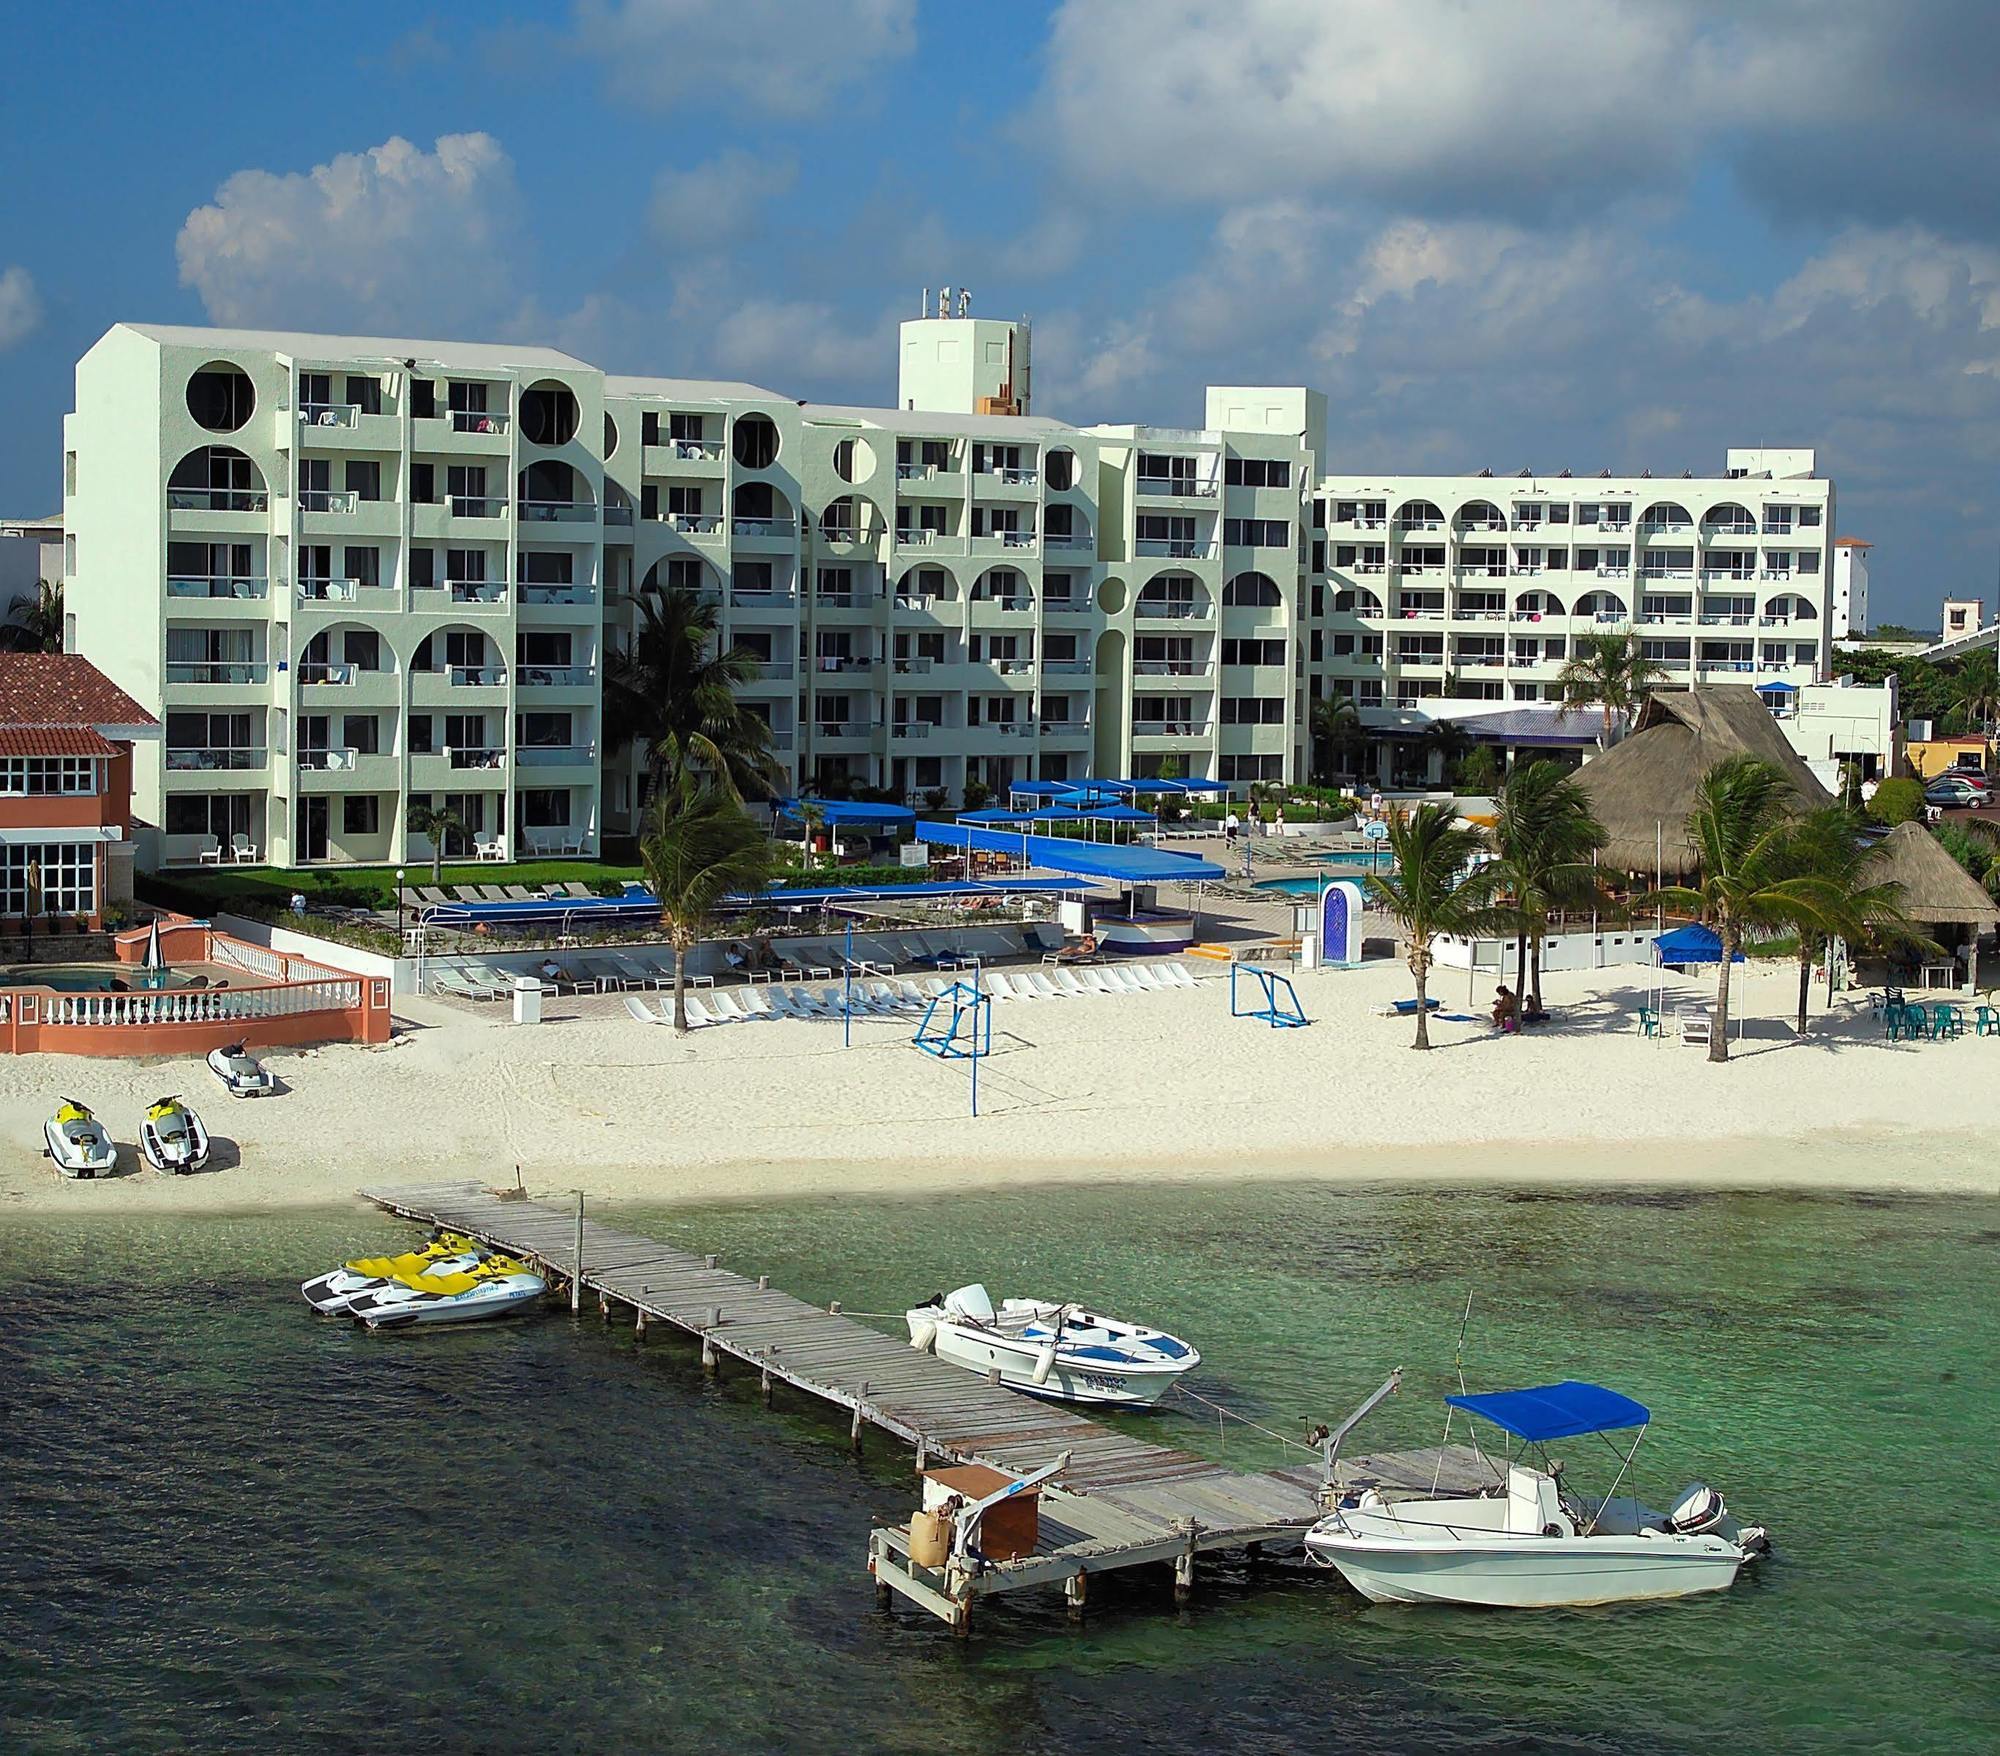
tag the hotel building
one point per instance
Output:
(350, 573)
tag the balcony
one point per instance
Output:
(256, 671)
(1013, 667)
(694, 524)
(1168, 609)
(578, 595)
(1065, 728)
(771, 670)
(476, 506)
(1176, 488)
(1004, 542)
(477, 421)
(843, 728)
(1067, 667)
(549, 755)
(1006, 478)
(218, 585)
(331, 761)
(1016, 606)
(1171, 548)
(919, 472)
(339, 501)
(477, 594)
(217, 500)
(476, 756)
(555, 676)
(1653, 527)
(761, 597)
(912, 728)
(762, 527)
(619, 514)
(845, 665)
(1152, 728)
(328, 591)
(556, 511)
(476, 676)
(1171, 668)
(328, 676)
(215, 759)
(1428, 524)
(1744, 528)
(690, 450)
(918, 537)
(854, 598)
(913, 667)
(1066, 606)
(329, 414)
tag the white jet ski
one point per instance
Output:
(172, 1138)
(498, 1286)
(241, 1073)
(448, 1253)
(77, 1142)
(1065, 1353)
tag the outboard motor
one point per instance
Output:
(1698, 1511)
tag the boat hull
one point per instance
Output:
(74, 1159)
(408, 1308)
(1528, 1572)
(1068, 1380)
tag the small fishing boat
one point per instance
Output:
(77, 1142)
(1066, 1353)
(448, 1253)
(172, 1138)
(1527, 1542)
(498, 1285)
(241, 1073)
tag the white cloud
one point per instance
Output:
(773, 55)
(391, 238)
(716, 201)
(801, 341)
(20, 305)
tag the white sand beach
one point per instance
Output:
(1162, 1086)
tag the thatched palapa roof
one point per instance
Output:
(1937, 890)
(1643, 788)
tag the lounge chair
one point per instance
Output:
(1038, 983)
(642, 1012)
(723, 1006)
(208, 851)
(1113, 982)
(1000, 987)
(436, 898)
(454, 983)
(606, 974)
(1175, 975)
(521, 893)
(582, 892)
(1140, 976)
(639, 975)
(1696, 1025)
(1068, 982)
(793, 1003)
(754, 1003)
(888, 997)
(697, 1013)
(240, 850)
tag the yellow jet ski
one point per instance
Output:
(77, 1142)
(447, 1253)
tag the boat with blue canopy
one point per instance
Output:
(1525, 1540)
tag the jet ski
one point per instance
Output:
(448, 1253)
(77, 1142)
(499, 1285)
(241, 1073)
(172, 1137)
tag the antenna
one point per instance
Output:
(944, 301)
(964, 301)
(1458, 1353)
(924, 306)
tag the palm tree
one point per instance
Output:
(1975, 689)
(812, 819)
(1609, 672)
(1544, 833)
(1742, 826)
(1826, 844)
(37, 622)
(435, 823)
(1448, 741)
(675, 692)
(698, 846)
(1337, 731)
(1436, 887)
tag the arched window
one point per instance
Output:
(1252, 591)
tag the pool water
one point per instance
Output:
(80, 978)
(1333, 866)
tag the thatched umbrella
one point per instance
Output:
(1936, 890)
(1644, 788)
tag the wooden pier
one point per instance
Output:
(1118, 1502)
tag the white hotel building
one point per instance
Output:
(352, 572)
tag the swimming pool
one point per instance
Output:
(77, 978)
(1332, 866)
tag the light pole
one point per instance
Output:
(399, 906)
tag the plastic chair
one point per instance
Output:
(1649, 1021)
(1985, 1022)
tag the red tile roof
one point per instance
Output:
(54, 741)
(62, 689)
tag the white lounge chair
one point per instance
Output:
(755, 1004)
(641, 1011)
(889, 996)
(723, 1006)
(607, 975)
(1041, 984)
(936, 987)
(1117, 982)
(1175, 975)
(697, 1013)
(1067, 981)
(1141, 977)
(456, 984)
(1001, 988)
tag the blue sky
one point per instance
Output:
(1596, 232)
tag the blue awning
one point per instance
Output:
(1556, 1411)
(934, 890)
(992, 814)
(1690, 944)
(834, 812)
(1087, 859)
(1777, 688)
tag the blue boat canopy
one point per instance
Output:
(1555, 1411)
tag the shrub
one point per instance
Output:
(1898, 801)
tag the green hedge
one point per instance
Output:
(253, 890)
(1898, 801)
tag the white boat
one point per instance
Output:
(76, 1141)
(172, 1138)
(1065, 1353)
(498, 1286)
(1527, 1542)
(448, 1253)
(241, 1073)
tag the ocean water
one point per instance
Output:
(228, 1525)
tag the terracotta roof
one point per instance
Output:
(62, 689)
(54, 741)
(1851, 543)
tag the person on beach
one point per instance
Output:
(1229, 829)
(1278, 821)
(1506, 1009)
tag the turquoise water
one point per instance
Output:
(82, 978)
(230, 1525)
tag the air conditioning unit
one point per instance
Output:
(1920, 731)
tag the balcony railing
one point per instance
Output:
(913, 667)
(1069, 539)
(329, 414)
(476, 676)
(1010, 539)
(555, 676)
(1171, 668)
(1171, 548)
(216, 757)
(915, 472)
(536, 592)
(917, 536)
(762, 527)
(217, 499)
(476, 756)
(843, 728)
(1177, 487)
(477, 506)
(1013, 667)
(1420, 524)
(477, 421)
(699, 524)
(1483, 524)
(557, 511)
(1167, 609)
(618, 514)
(1656, 527)
(1066, 606)
(336, 500)
(1742, 529)
(912, 728)
(840, 533)
(848, 664)
(853, 598)
(1066, 667)
(1173, 728)
(328, 591)
(555, 755)
(336, 676)
(218, 585)
(491, 593)
(248, 671)
(760, 597)
(1020, 478)
(326, 761)
(772, 670)
(1011, 604)
(1063, 728)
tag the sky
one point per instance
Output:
(1582, 234)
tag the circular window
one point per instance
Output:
(1111, 596)
(755, 441)
(854, 460)
(549, 414)
(610, 436)
(221, 397)
(1059, 471)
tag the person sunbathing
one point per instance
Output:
(1083, 951)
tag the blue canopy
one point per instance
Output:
(834, 812)
(1690, 944)
(992, 814)
(1083, 859)
(1555, 1411)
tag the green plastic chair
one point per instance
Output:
(1986, 1022)
(1949, 1021)
(1649, 1021)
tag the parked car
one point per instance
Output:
(1959, 790)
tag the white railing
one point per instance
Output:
(911, 728)
(1019, 478)
(217, 585)
(322, 675)
(490, 593)
(536, 593)
(1172, 548)
(326, 591)
(556, 676)
(1067, 667)
(917, 536)
(326, 761)
(217, 500)
(255, 672)
(761, 527)
(338, 500)
(487, 756)
(202, 1006)
(699, 524)
(476, 676)
(557, 511)
(329, 414)
(477, 421)
(760, 596)
(555, 755)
